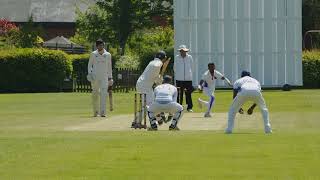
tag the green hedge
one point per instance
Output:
(311, 69)
(33, 70)
(79, 65)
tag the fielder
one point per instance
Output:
(165, 96)
(100, 76)
(208, 85)
(247, 89)
(150, 76)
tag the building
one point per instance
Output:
(261, 36)
(57, 17)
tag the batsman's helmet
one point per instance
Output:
(161, 55)
(167, 79)
(245, 73)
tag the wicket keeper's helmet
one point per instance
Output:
(161, 55)
(245, 73)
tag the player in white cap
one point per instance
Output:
(208, 85)
(247, 89)
(165, 100)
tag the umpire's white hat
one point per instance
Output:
(183, 48)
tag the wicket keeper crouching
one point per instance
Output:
(165, 100)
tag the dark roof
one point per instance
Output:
(42, 10)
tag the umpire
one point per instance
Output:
(183, 69)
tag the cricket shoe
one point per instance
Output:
(95, 114)
(228, 131)
(268, 131)
(173, 128)
(102, 114)
(207, 115)
(135, 125)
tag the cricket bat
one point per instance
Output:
(165, 65)
(110, 98)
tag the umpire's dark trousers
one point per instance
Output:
(187, 86)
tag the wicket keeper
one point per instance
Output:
(165, 96)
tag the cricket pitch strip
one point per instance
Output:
(189, 122)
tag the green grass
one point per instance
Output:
(33, 144)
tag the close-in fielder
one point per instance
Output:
(150, 76)
(165, 100)
(247, 89)
(208, 85)
(100, 76)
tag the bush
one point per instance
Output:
(311, 69)
(128, 62)
(145, 44)
(79, 65)
(33, 70)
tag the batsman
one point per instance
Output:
(150, 76)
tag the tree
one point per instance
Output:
(28, 35)
(6, 26)
(116, 20)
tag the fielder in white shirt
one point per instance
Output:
(165, 96)
(149, 77)
(208, 85)
(247, 89)
(100, 76)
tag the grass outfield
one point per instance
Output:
(34, 145)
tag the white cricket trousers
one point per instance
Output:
(209, 104)
(171, 108)
(240, 99)
(149, 99)
(99, 89)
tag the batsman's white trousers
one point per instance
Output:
(99, 89)
(149, 98)
(240, 99)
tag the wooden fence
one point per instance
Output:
(124, 81)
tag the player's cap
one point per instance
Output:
(167, 79)
(161, 55)
(183, 48)
(211, 64)
(99, 41)
(245, 73)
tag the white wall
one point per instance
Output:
(261, 36)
